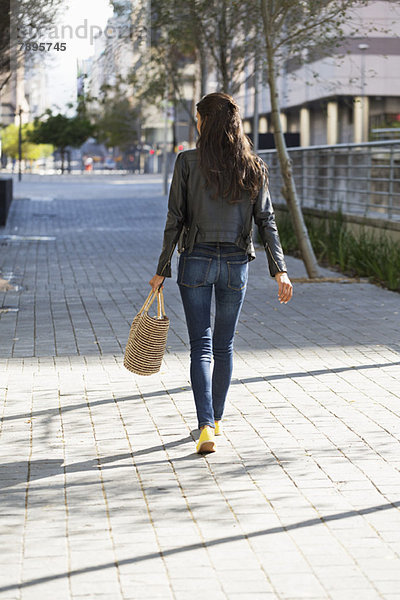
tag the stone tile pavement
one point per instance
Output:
(102, 495)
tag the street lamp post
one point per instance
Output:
(165, 154)
(20, 145)
(18, 114)
(363, 48)
(256, 114)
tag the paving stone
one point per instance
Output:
(99, 474)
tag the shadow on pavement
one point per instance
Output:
(197, 546)
(49, 412)
(15, 473)
(317, 372)
(55, 412)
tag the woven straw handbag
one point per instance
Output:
(147, 338)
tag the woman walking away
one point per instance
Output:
(217, 190)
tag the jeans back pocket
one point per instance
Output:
(193, 270)
(237, 274)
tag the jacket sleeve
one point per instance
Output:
(264, 218)
(175, 216)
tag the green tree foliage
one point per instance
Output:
(117, 124)
(61, 131)
(30, 151)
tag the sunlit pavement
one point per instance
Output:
(102, 493)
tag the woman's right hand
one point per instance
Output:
(156, 282)
(285, 290)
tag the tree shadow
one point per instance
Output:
(14, 473)
(210, 543)
(51, 412)
(316, 372)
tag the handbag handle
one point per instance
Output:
(160, 304)
(149, 301)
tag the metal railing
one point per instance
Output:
(361, 179)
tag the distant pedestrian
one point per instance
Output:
(88, 162)
(217, 190)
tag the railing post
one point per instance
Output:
(316, 159)
(346, 181)
(331, 178)
(369, 173)
(303, 178)
(391, 182)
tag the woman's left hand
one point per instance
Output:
(156, 281)
(285, 290)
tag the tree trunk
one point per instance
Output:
(200, 47)
(223, 51)
(6, 80)
(174, 121)
(256, 101)
(203, 71)
(62, 152)
(289, 186)
(191, 124)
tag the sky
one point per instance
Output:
(79, 23)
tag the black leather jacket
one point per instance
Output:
(193, 216)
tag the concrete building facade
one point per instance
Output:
(356, 91)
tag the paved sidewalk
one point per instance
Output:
(102, 495)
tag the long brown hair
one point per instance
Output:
(228, 163)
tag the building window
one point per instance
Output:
(246, 126)
(263, 125)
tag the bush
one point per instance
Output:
(364, 255)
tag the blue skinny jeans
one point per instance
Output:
(224, 267)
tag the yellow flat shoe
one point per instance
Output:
(218, 428)
(206, 441)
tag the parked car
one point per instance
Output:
(109, 163)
